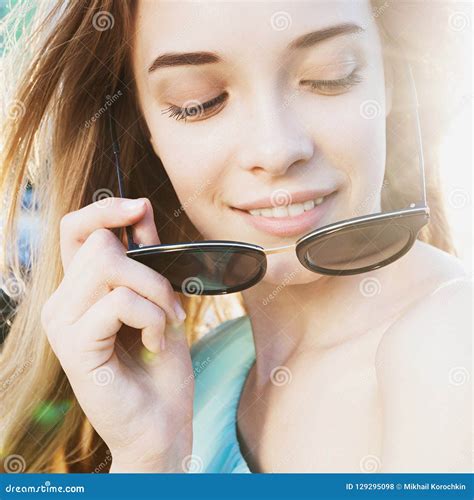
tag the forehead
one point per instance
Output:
(236, 28)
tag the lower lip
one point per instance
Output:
(289, 226)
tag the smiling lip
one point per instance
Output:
(289, 226)
(270, 201)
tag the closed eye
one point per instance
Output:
(334, 87)
(196, 109)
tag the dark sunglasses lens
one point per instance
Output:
(204, 271)
(358, 248)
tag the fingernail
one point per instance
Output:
(180, 312)
(162, 343)
(132, 205)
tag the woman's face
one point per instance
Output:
(284, 102)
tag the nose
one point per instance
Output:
(274, 137)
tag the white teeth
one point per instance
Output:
(280, 211)
(287, 211)
(266, 212)
(296, 209)
(308, 205)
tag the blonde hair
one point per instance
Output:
(61, 71)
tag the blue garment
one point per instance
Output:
(221, 362)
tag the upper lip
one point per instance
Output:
(282, 197)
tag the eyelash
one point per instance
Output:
(179, 113)
(343, 83)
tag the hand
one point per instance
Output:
(139, 401)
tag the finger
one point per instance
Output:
(122, 306)
(77, 226)
(101, 265)
(144, 231)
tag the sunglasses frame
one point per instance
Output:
(417, 209)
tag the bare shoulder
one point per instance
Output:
(442, 313)
(438, 323)
(425, 258)
(423, 366)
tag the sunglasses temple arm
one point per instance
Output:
(416, 105)
(116, 151)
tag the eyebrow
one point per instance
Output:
(198, 58)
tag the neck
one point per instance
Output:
(289, 319)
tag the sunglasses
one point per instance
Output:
(352, 246)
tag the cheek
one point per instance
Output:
(363, 148)
(368, 125)
(194, 168)
(185, 162)
(356, 148)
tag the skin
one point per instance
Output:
(272, 133)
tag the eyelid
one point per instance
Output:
(353, 63)
(347, 81)
(181, 113)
